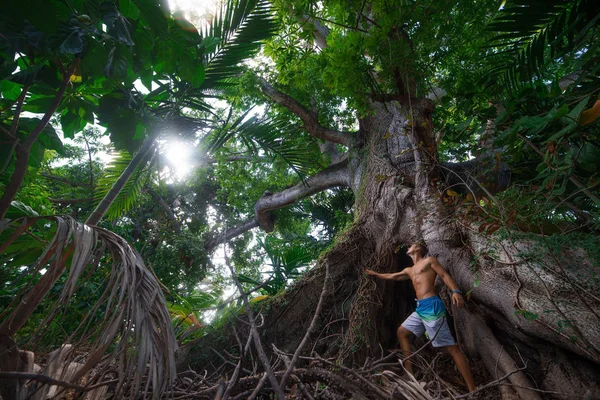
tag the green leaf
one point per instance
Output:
(528, 315)
(36, 154)
(50, 140)
(10, 90)
(39, 104)
(26, 74)
(574, 114)
(42, 14)
(126, 198)
(153, 14)
(532, 123)
(242, 26)
(560, 191)
(562, 111)
(46, 140)
(209, 44)
(18, 209)
(73, 44)
(129, 9)
(246, 279)
(526, 29)
(72, 123)
(119, 64)
(27, 257)
(140, 132)
(94, 62)
(563, 132)
(117, 25)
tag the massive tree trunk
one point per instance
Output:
(526, 306)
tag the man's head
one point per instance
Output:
(417, 248)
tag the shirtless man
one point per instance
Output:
(430, 315)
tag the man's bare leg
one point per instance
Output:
(404, 339)
(463, 365)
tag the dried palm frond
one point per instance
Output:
(128, 329)
(407, 386)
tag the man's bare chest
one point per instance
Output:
(422, 271)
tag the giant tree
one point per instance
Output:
(451, 101)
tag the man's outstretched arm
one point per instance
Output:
(457, 298)
(396, 276)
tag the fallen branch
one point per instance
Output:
(236, 373)
(493, 383)
(253, 331)
(45, 379)
(309, 331)
(357, 375)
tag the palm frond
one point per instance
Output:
(532, 33)
(127, 197)
(276, 137)
(277, 140)
(241, 26)
(129, 320)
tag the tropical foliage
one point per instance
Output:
(517, 99)
(133, 67)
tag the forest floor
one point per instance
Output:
(319, 378)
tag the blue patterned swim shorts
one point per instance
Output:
(430, 316)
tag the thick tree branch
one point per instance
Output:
(334, 176)
(8, 158)
(18, 108)
(44, 379)
(331, 149)
(214, 241)
(310, 118)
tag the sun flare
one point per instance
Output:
(179, 157)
